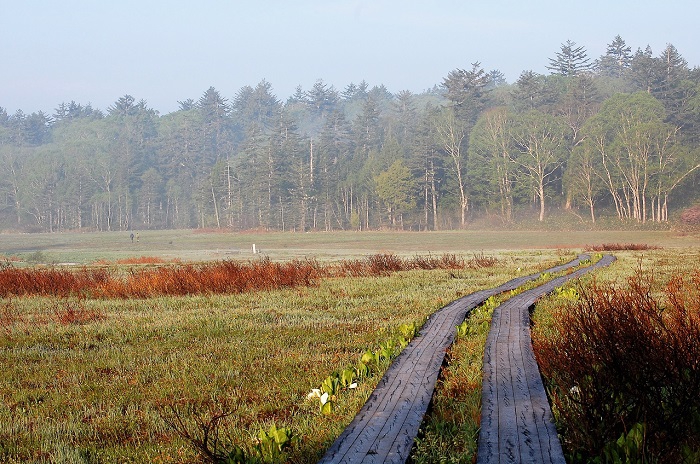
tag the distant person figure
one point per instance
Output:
(137, 236)
(132, 237)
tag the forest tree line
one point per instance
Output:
(615, 136)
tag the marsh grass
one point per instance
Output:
(97, 388)
(192, 245)
(102, 390)
(218, 277)
(619, 358)
(621, 247)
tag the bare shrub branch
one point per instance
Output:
(620, 357)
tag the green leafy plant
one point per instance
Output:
(386, 351)
(362, 370)
(567, 293)
(629, 448)
(408, 331)
(347, 378)
(331, 388)
(369, 362)
(463, 329)
(330, 385)
(271, 445)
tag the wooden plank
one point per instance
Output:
(516, 421)
(385, 428)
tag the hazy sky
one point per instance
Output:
(163, 51)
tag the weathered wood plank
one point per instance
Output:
(386, 426)
(516, 420)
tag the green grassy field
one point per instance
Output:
(190, 245)
(105, 389)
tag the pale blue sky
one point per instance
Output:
(162, 51)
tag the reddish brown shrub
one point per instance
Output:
(141, 260)
(622, 357)
(73, 311)
(8, 317)
(352, 268)
(373, 265)
(55, 282)
(621, 247)
(480, 261)
(429, 262)
(691, 216)
(384, 263)
(218, 277)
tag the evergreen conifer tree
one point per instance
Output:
(570, 60)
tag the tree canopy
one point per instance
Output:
(615, 137)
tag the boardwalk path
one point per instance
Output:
(386, 426)
(516, 421)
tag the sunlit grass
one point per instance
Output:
(99, 388)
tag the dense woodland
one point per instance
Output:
(614, 137)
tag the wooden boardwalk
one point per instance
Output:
(516, 421)
(386, 426)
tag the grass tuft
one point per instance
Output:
(98, 377)
(621, 247)
(142, 260)
(74, 312)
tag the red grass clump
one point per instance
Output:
(623, 359)
(384, 264)
(74, 312)
(8, 317)
(621, 247)
(221, 277)
(480, 261)
(691, 216)
(446, 261)
(218, 277)
(142, 260)
(50, 281)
